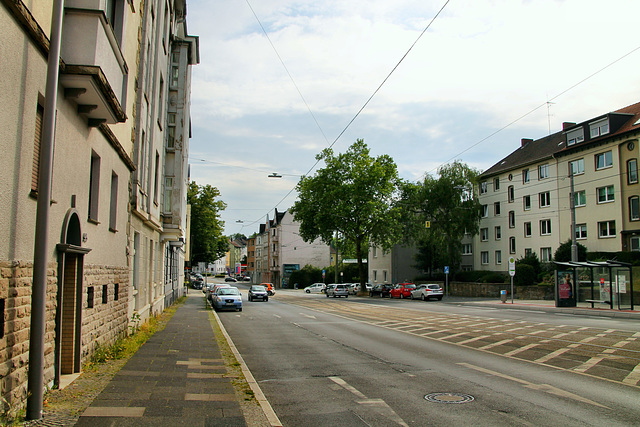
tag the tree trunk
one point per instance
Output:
(361, 270)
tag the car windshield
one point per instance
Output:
(258, 288)
(228, 291)
(434, 287)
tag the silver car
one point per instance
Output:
(341, 290)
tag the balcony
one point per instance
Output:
(95, 73)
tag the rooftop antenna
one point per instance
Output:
(549, 103)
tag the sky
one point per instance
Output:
(484, 75)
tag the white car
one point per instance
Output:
(316, 287)
(427, 291)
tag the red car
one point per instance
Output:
(402, 290)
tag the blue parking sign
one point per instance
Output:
(446, 269)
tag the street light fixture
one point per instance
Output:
(274, 175)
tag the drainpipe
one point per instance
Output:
(35, 385)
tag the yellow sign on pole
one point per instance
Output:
(427, 224)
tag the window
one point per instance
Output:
(466, 249)
(632, 171)
(375, 276)
(35, 168)
(525, 176)
(575, 136)
(484, 257)
(601, 127)
(634, 208)
(526, 203)
(168, 194)
(545, 254)
(116, 291)
(483, 187)
(510, 194)
(484, 234)
(580, 198)
(94, 187)
(544, 199)
(512, 219)
(2, 317)
(496, 184)
(606, 229)
(498, 231)
(498, 257)
(527, 252)
(576, 166)
(512, 245)
(604, 160)
(105, 294)
(160, 102)
(527, 229)
(543, 171)
(485, 211)
(581, 231)
(375, 252)
(156, 182)
(496, 208)
(171, 137)
(545, 227)
(90, 297)
(113, 208)
(635, 243)
(605, 194)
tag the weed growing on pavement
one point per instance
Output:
(10, 415)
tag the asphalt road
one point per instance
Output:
(359, 361)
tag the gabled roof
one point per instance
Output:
(621, 121)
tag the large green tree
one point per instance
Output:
(448, 204)
(206, 238)
(353, 195)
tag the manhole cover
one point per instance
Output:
(449, 398)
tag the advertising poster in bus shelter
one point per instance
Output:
(565, 288)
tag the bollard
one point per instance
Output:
(503, 296)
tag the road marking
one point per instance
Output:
(634, 376)
(308, 316)
(521, 349)
(378, 405)
(541, 387)
(473, 339)
(496, 344)
(275, 315)
(588, 364)
(554, 354)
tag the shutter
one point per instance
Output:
(36, 149)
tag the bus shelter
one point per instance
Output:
(605, 284)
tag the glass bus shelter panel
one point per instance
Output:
(622, 297)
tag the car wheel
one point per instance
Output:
(422, 297)
(249, 299)
(327, 295)
(346, 296)
(308, 291)
(439, 298)
(410, 296)
(240, 309)
(401, 296)
(266, 299)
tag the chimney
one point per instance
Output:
(525, 141)
(567, 125)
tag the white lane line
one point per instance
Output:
(521, 349)
(308, 316)
(634, 376)
(541, 387)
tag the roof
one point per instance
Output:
(621, 121)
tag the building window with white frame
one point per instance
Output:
(543, 171)
(483, 187)
(576, 167)
(512, 219)
(484, 234)
(632, 171)
(496, 208)
(512, 245)
(525, 176)
(545, 254)
(575, 136)
(634, 208)
(484, 257)
(580, 198)
(528, 252)
(498, 257)
(510, 194)
(527, 229)
(606, 229)
(581, 231)
(526, 203)
(485, 211)
(467, 249)
(604, 160)
(94, 187)
(498, 232)
(113, 207)
(545, 227)
(635, 243)
(599, 128)
(545, 199)
(606, 194)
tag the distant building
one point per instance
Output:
(393, 266)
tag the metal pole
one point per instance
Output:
(35, 385)
(511, 289)
(574, 245)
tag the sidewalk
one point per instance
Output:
(583, 308)
(178, 378)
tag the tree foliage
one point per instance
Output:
(563, 253)
(448, 204)
(206, 238)
(354, 195)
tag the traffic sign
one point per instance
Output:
(512, 266)
(446, 269)
(427, 224)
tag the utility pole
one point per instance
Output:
(574, 245)
(35, 385)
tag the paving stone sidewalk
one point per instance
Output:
(177, 378)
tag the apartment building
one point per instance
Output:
(393, 266)
(526, 197)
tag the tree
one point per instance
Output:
(207, 241)
(449, 206)
(563, 253)
(353, 195)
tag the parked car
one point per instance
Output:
(230, 279)
(402, 290)
(381, 290)
(316, 287)
(427, 291)
(258, 292)
(197, 281)
(338, 290)
(227, 298)
(246, 278)
(213, 287)
(270, 289)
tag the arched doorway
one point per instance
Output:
(69, 297)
